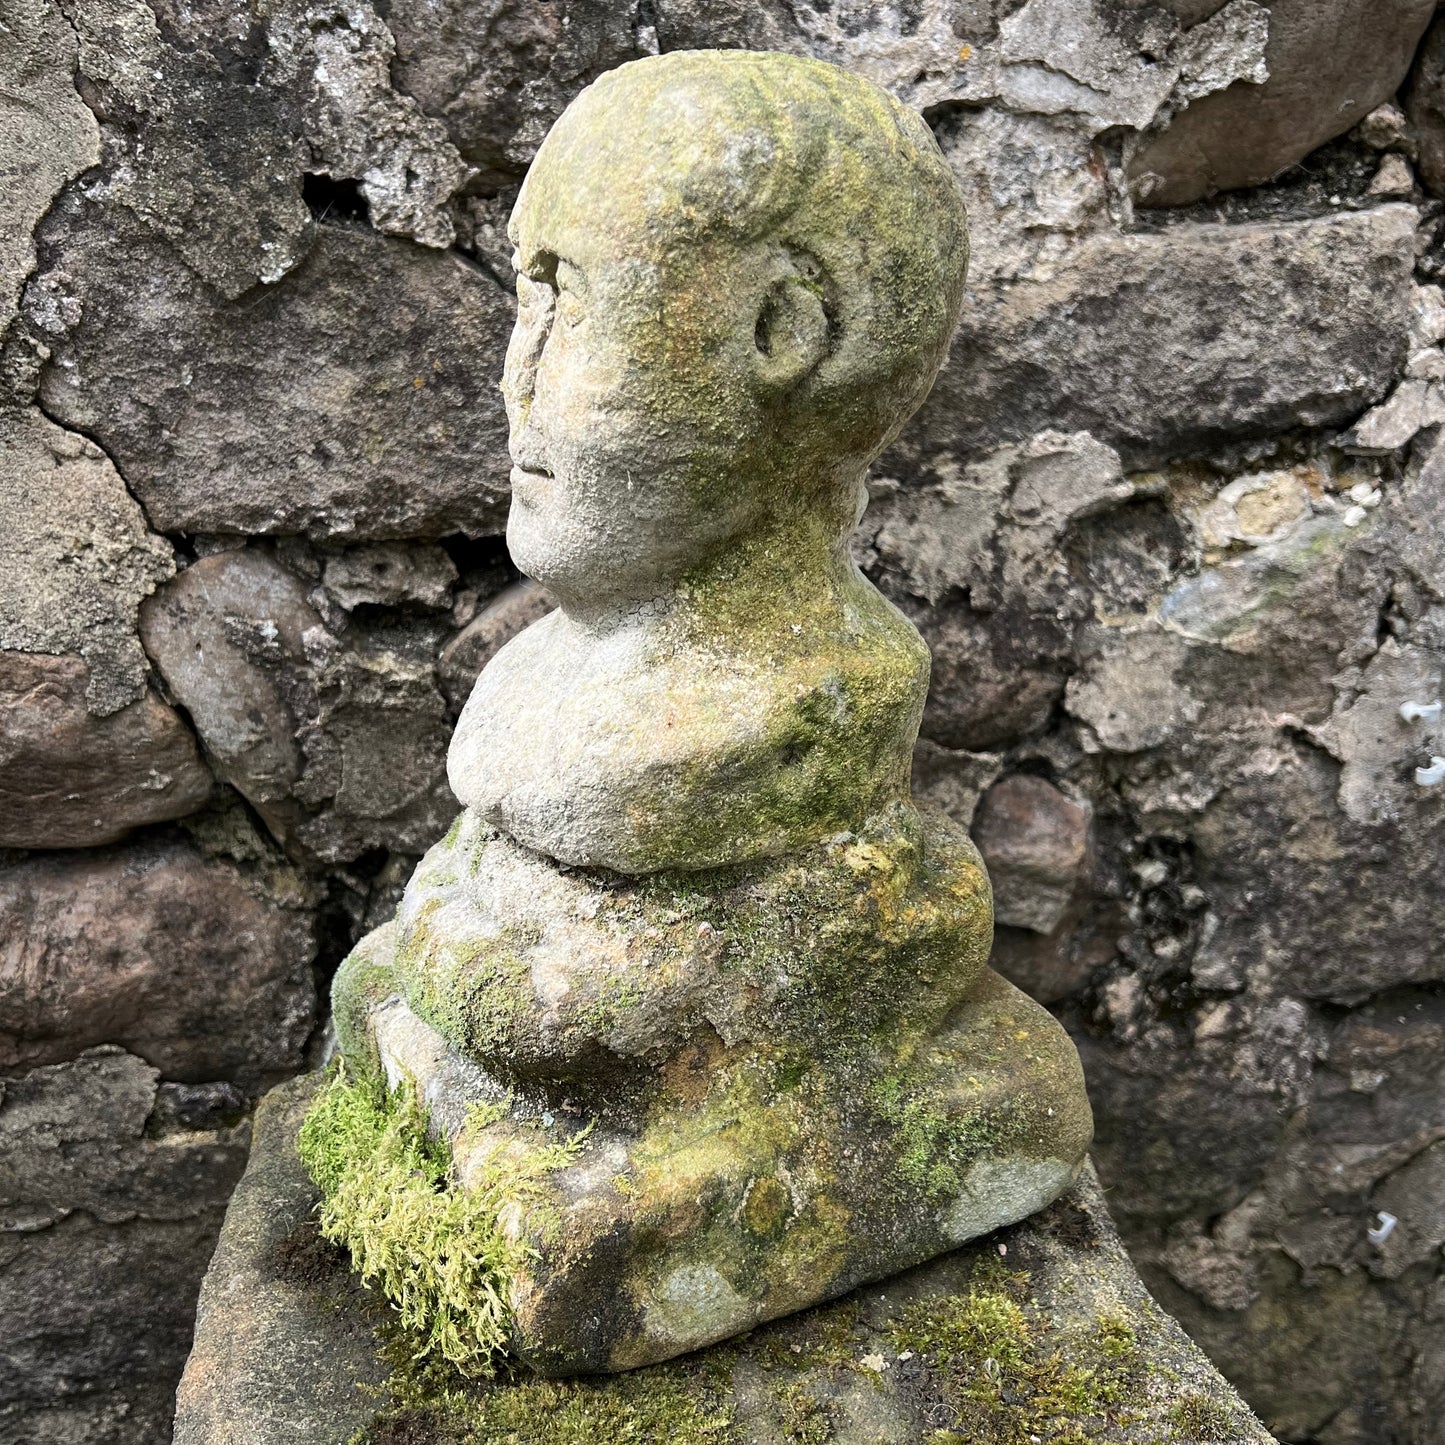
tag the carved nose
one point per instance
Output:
(527, 450)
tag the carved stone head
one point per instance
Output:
(737, 274)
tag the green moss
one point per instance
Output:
(681, 1403)
(366, 977)
(1003, 1377)
(656, 1410)
(830, 1339)
(436, 1251)
(805, 1421)
(1117, 1339)
(1198, 1418)
(963, 1331)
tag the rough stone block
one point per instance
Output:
(355, 397)
(464, 657)
(1035, 842)
(69, 779)
(300, 91)
(1330, 63)
(1425, 103)
(338, 741)
(199, 966)
(225, 636)
(94, 1135)
(36, 67)
(1162, 344)
(391, 574)
(76, 557)
(499, 83)
(111, 1190)
(1050, 967)
(97, 1323)
(1190, 1129)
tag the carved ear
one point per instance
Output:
(791, 334)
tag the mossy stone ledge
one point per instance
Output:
(1039, 1332)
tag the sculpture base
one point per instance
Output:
(1041, 1330)
(747, 1182)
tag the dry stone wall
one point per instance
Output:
(1173, 524)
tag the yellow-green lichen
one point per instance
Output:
(935, 1149)
(439, 1253)
(775, 147)
(759, 1187)
(474, 992)
(830, 944)
(1004, 1081)
(837, 678)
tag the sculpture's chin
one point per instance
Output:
(583, 555)
(571, 561)
(534, 547)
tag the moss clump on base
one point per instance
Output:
(1005, 1384)
(992, 1363)
(805, 1421)
(438, 1252)
(1117, 1339)
(986, 1355)
(1198, 1418)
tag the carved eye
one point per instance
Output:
(536, 280)
(542, 268)
(571, 294)
(569, 309)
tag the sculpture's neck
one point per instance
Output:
(797, 575)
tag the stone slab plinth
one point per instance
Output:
(1041, 1332)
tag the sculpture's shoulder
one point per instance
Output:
(638, 750)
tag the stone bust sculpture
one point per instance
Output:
(737, 277)
(691, 1003)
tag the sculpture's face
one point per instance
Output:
(632, 395)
